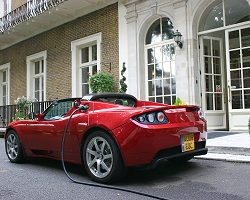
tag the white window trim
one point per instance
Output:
(8, 2)
(75, 49)
(29, 60)
(7, 67)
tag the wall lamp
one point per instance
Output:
(177, 38)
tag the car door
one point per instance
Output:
(45, 136)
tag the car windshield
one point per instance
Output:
(58, 109)
(120, 101)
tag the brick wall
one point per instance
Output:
(57, 42)
(17, 3)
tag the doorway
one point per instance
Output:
(225, 78)
(224, 41)
(213, 90)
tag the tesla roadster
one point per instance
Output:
(107, 133)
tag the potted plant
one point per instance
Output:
(123, 85)
(23, 106)
(179, 102)
(101, 82)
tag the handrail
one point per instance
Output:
(8, 112)
(26, 11)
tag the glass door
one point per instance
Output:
(238, 73)
(212, 82)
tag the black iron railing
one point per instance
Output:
(25, 12)
(8, 112)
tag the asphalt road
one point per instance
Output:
(198, 179)
(215, 134)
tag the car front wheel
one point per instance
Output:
(102, 158)
(13, 147)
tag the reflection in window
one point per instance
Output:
(215, 17)
(234, 41)
(161, 62)
(236, 11)
(161, 74)
(224, 13)
(162, 29)
(237, 100)
(58, 110)
(89, 65)
(245, 37)
(3, 87)
(38, 78)
(213, 74)
(240, 68)
(247, 98)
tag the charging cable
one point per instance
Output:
(81, 107)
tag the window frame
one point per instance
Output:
(76, 47)
(30, 60)
(158, 44)
(201, 25)
(5, 67)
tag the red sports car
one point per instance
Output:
(107, 133)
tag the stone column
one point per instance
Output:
(132, 65)
(184, 70)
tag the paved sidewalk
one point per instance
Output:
(234, 147)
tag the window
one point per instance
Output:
(224, 13)
(160, 50)
(4, 84)
(38, 80)
(239, 53)
(162, 29)
(36, 76)
(88, 65)
(85, 60)
(213, 73)
(58, 109)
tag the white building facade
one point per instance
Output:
(212, 69)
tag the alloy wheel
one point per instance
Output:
(99, 157)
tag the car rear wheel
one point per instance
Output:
(102, 158)
(14, 148)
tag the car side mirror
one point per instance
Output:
(77, 103)
(39, 116)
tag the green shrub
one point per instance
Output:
(101, 82)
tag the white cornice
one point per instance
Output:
(128, 2)
(179, 3)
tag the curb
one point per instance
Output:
(229, 150)
(225, 157)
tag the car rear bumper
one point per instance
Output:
(175, 152)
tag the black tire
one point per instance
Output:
(14, 148)
(102, 158)
(182, 159)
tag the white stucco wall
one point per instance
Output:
(188, 17)
(1, 8)
(123, 41)
(139, 16)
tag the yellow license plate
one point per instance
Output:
(187, 142)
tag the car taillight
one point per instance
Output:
(201, 114)
(152, 118)
(160, 116)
